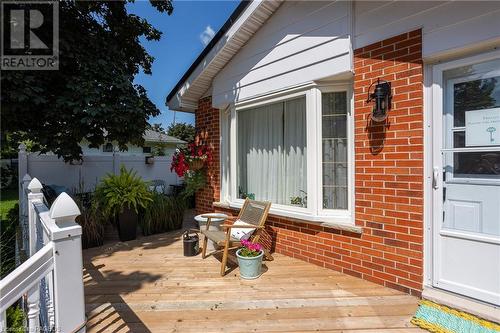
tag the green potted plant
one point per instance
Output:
(121, 196)
(250, 259)
(296, 201)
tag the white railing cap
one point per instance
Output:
(64, 208)
(35, 186)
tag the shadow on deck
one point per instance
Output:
(147, 285)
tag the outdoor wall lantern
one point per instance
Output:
(150, 159)
(382, 96)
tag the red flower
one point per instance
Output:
(193, 151)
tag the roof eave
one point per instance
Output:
(176, 142)
(182, 97)
(177, 104)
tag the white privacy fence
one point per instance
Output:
(50, 281)
(54, 171)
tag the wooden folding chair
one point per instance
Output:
(254, 213)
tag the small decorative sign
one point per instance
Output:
(482, 127)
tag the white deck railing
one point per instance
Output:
(50, 281)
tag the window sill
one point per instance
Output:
(334, 222)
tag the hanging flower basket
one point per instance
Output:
(190, 162)
(196, 164)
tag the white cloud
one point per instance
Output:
(207, 35)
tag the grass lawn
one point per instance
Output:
(8, 198)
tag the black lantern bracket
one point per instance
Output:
(382, 96)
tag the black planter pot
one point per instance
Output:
(127, 224)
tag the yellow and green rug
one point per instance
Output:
(441, 319)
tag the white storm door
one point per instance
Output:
(466, 184)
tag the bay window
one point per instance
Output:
(294, 150)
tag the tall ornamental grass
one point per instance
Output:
(162, 214)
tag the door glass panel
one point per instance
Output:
(470, 164)
(473, 163)
(471, 156)
(475, 95)
(472, 89)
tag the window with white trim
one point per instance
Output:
(272, 153)
(295, 150)
(334, 157)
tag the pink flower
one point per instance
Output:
(252, 247)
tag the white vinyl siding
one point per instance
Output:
(446, 25)
(302, 41)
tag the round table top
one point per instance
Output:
(216, 217)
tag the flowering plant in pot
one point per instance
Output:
(250, 259)
(190, 162)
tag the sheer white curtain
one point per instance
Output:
(272, 151)
(295, 156)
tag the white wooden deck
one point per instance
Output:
(147, 285)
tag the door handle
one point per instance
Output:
(435, 176)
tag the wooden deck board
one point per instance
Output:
(147, 285)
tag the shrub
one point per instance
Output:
(15, 319)
(8, 177)
(163, 214)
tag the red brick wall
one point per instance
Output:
(389, 162)
(207, 119)
(388, 179)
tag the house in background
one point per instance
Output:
(96, 163)
(156, 143)
(403, 190)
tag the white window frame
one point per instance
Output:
(314, 211)
(337, 214)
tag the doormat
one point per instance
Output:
(441, 319)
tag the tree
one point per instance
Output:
(92, 96)
(156, 128)
(182, 131)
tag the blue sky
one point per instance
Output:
(185, 32)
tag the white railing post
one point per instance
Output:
(49, 291)
(3, 322)
(22, 166)
(35, 195)
(68, 266)
(23, 213)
